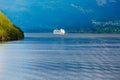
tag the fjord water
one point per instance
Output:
(61, 57)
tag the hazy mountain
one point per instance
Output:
(45, 15)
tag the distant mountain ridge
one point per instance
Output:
(73, 15)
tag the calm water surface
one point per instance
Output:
(66, 57)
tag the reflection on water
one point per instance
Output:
(68, 57)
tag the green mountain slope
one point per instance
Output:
(9, 31)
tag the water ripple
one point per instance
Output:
(80, 57)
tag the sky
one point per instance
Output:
(35, 15)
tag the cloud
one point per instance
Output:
(81, 9)
(103, 2)
(51, 4)
(113, 0)
(16, 5)
(45, 5)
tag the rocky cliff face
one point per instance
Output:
(9, 31)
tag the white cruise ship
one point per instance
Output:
(61, 31)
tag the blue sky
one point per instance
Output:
(33, 15)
